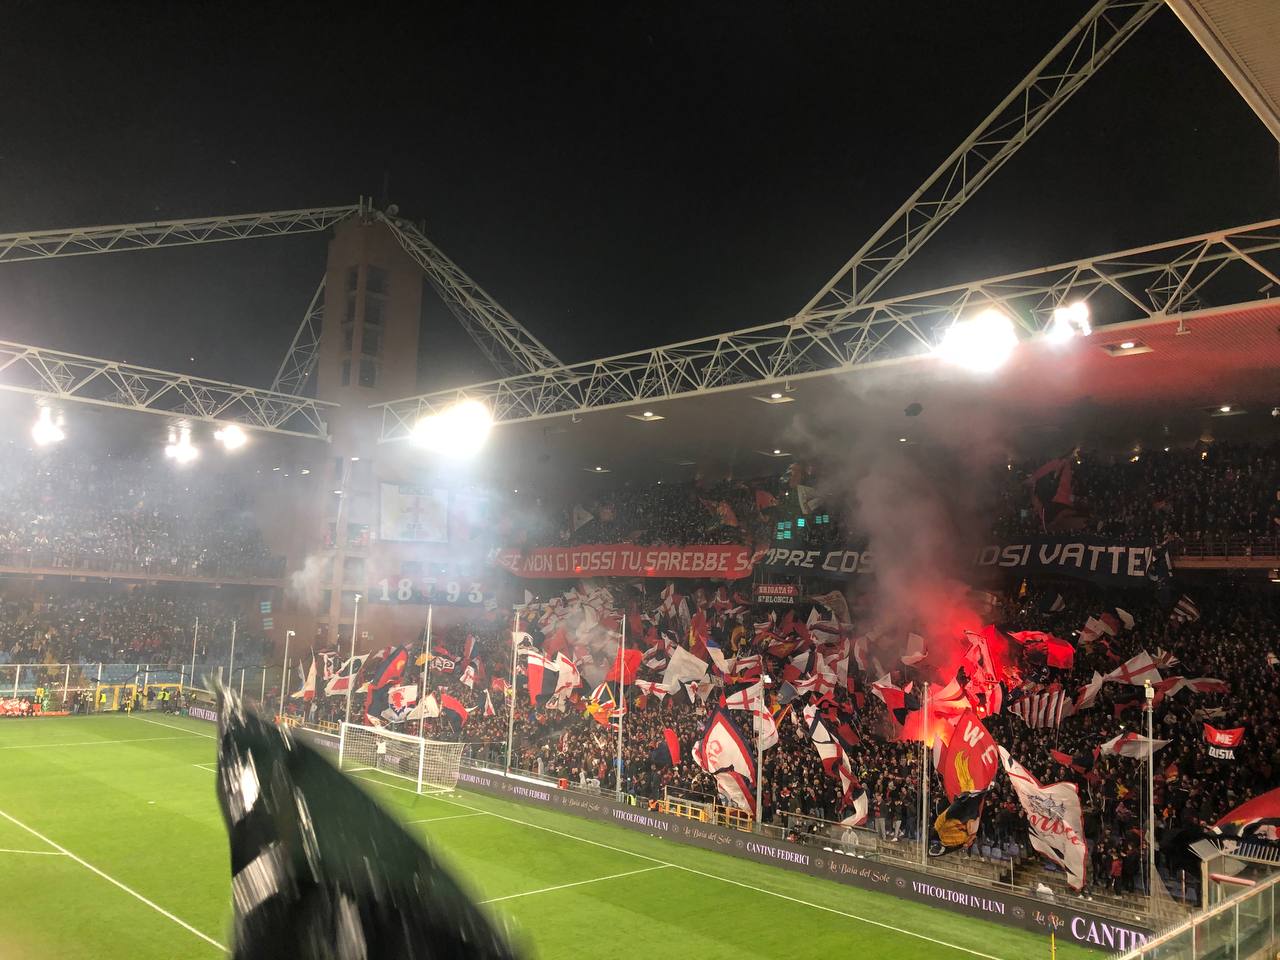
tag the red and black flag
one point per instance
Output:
(1223, 743)
(387, 672)
(454, 707)
(542, 676)
(1081, 763)
(667, 753)
(1254, 821)
(1052, 496)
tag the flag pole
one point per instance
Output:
(511, 691)
(1150, 694)
(622, 702)
(284, 670)
(231, 662)
(426, 673)
(351, 678)
(924, 782)
(195, 634)
(759, 772)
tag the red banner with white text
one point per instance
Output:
(712, 562)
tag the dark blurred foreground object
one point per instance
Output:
(319, 871)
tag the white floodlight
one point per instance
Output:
(982, 343)
(1069, 321)
(231, 437)
(457, 431)
(46, 429)
(180, 447)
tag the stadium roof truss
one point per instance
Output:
(1145, 282)
(281, 409)
(841, 326)
(58, 376)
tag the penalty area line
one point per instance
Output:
(114, 882)
(576, 883)
(171, 726)
(452, 816)
(35, 853)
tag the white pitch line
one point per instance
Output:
(713, 876)
(85, 743)
(34, 853)
(112, 880)
(206, 767)
(578, 883)
(189, 733)
(452, 816)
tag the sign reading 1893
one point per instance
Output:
(460, 593)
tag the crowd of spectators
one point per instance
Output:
(134, 625)
(1238, 628)
(64, 508)
(1213, 492)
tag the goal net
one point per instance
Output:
(431, 765)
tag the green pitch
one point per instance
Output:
(111, 845)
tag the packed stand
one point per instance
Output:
(64, 508)
(138, 625)
(1235, 640)
(1212, 492)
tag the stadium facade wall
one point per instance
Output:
(1089, 930)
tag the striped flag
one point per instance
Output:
(1043, 709)
(1184, 611)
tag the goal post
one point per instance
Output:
(430, 765)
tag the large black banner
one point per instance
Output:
(1096, 559)
(845, 563)
(1063, 918)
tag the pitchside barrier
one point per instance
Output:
(1242, 927)
(1061, 917)
(60, 688)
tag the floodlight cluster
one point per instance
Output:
(47, 429)
(457, 431)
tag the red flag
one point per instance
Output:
(625, 665)
(1057, 652)
(970, 759)
(454, 706)
(673, 744)
(1223, 738)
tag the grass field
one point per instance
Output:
(111, 845)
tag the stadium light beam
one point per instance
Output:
(1069, 321)
(982, 343)
(180, 447)
(46, 430)
(457, 431)
(232, 437)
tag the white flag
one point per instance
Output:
(1053, 818)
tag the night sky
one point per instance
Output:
(617, 175)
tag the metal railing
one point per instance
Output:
(267, 570)
(1244, 926)
(105, 687)
(1232, 548)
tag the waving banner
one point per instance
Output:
(1096, 559)
(1223, 743)
(1053, 818)
(969, 761)
(711, 562)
